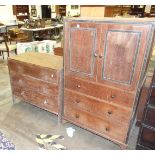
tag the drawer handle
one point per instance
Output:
(113, 96)
(107, 129)
(109, 112)
(52, 75)
(22, 93)
(77, 101)
(100, 56)
(77, 115)
(78, 86)
(45, 102)
(95, 54)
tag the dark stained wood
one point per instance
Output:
(150, 116)
(104, 74)
(143, 99)
(146, 137)
(36, 81)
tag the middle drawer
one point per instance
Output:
(103, 92)
(96, 107)
(33, 84)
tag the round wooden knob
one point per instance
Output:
(95, 54)
(78, 86)
(100, 56)
(107, 129)
(109, 112)
(77, 115)
(113, 96)
(77, 100)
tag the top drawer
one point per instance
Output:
(45, 74)
(103, 92)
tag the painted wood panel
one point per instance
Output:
(82, 49)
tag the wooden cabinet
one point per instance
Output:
(21, 11)
(146, 138)
(143, 99)
(61, 10)
(37, 79)
(104, 64)
(114, 10)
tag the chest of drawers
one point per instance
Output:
(37, 79)
(104, 66)
(146, 138)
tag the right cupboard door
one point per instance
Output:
(123, 48)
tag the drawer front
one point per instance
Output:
(86, 120)
(97, 107)
(100, 91)
(40, 100)
(37, 72)
(150, 117)
(33, 84)
(147, 138)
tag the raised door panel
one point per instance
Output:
(122, 54)
(80, 51)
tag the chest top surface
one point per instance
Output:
(40, 59)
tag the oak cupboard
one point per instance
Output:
(104, 66)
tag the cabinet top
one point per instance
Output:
(111, 20)
(40, 59)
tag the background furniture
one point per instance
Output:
(61, 10)
(143, 99)
(46, 11)
(146, 138)
(58, 51)
(37, 78)
(7, 47)
(18, 35)
(104, 66)
(21, 12)
(144, 94)
(112, 11)
(34, 31)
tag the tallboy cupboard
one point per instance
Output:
(104, 67)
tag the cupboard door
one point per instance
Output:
(122, 51)
(80, 49)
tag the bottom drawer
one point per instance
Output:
(147, 138)
(96, 124)
(38, 99)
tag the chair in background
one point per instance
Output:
(7, 47)
(17, 35)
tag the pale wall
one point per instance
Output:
(6, 13)
(73, 12)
